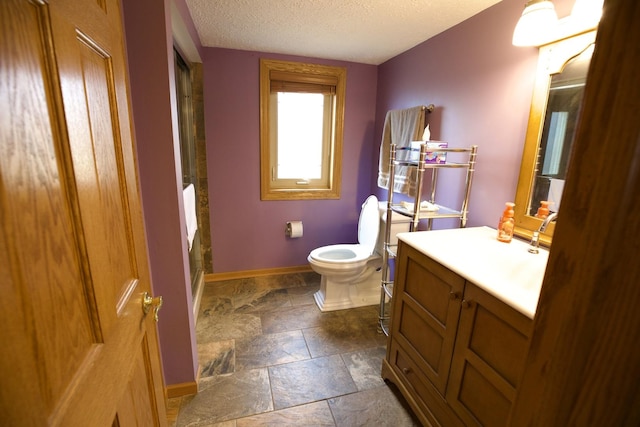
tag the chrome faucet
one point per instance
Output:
(535, 239)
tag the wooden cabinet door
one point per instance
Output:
(427, 305)
(78, 349)
(488, 359)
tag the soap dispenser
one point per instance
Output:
(543, 210)
(506, 224)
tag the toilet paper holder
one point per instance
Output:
(293, 229)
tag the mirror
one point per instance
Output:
(555, 110)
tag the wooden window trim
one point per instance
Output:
(304, 78)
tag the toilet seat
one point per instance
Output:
(351, 255)
(340, 256)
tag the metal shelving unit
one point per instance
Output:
(416, 214)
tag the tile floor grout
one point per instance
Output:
(316, 368)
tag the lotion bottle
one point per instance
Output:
(506, 224)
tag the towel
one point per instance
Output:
(556, 186)
(400, 128)
(189, 196)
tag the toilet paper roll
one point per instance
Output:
(294, 229)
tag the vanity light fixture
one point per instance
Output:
(587, 11)
(540, 25)
(538, 17)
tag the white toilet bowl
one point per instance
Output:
(351, 272)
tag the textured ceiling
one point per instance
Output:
(365, 31)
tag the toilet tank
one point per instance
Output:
(399, 224)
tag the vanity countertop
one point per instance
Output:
(506, 270)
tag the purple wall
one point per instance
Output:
(149, 47)
(481, 86)
(247, 233)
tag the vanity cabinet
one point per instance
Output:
(455, 351)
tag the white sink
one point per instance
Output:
(506, 270)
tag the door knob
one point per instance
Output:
(149, 302)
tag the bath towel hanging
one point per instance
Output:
(400, 128)
(189, 195)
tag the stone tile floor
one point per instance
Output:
(269, 357)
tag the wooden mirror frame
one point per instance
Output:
(552, 60)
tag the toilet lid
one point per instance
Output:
(369, 223)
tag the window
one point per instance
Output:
(301, 126)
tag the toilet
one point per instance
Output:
(351, 273)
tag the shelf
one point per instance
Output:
(432, 165)
(387, 286)
(448, 164)
(383, 324)
(442, 212)
(390, 251)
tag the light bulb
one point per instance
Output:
(587, 12)
(538, 19)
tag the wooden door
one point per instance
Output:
(77, 348)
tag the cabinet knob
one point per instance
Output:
(454, 295)
(465, 303)
(406, 371)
